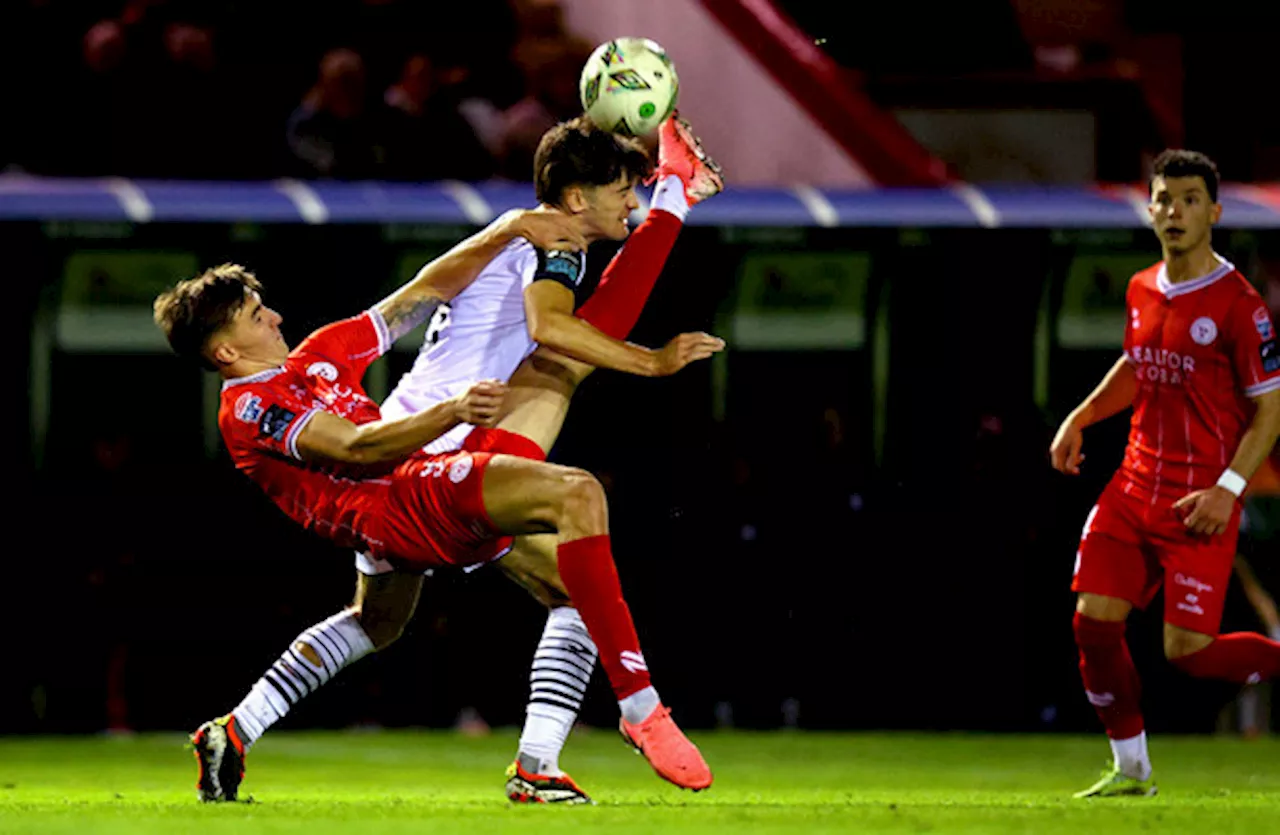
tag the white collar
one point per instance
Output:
(252, 378)
(1170, 289)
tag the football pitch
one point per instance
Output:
(441, 782)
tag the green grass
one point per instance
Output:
(400, 782)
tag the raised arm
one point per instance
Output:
(448, 275)
(548, 308)
(328, 438)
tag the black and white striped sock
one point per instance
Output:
(562, 667)
(313, 658)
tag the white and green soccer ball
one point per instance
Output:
(629, 86)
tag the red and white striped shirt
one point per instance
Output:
(1201, 349)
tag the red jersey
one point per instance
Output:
(1201, 349)
(261, 416)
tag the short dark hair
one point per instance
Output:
(1177, 162)
(194, 310)
(577, 152)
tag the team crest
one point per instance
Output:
(1262, 321)
(460, 468)
(248, 407)
(1269, 352)
(323, 370)
(1204, 331)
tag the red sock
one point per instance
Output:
(615, 306)
(589, 574)
(1241, 657)
(1110, 679)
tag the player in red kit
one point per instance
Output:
(299, 425)
(1202, 372)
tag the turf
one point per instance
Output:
(406, 781)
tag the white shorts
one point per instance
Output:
(371, 567)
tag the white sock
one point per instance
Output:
(669, 196)
(1249, 703)
(637, 707)
(562, 667)
(1131, 755)
(336, 642)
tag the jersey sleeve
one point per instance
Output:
(267, 419)
(1255, 350)
(350, 343)
(561, 266)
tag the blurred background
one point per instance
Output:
(847, 521)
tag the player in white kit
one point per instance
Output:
(524, 299)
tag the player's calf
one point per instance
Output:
(531, 564)
(384, 604)
(523, 496)
(1238, 657)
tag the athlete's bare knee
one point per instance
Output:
(1179, 642)
(384, 627)
(583, 508)
(1101, 607)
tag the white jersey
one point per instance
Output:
(481, 334)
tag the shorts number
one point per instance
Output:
(439, 321)
(432, 468)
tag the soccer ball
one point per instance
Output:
(629, 86)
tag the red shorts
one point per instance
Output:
(434, 510)
(1130, 545)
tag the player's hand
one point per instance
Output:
(546, 228)
(1064, 452)
(480, 404)
(1208, 511)
(684, 349)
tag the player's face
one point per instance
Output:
(609, 206)
(1182, 213)
(254, 332)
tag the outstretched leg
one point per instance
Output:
(382, 606)
(522, 497)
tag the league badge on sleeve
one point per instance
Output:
(1262, 321)
(561, 265)
(275, 422)
(1270, 354)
